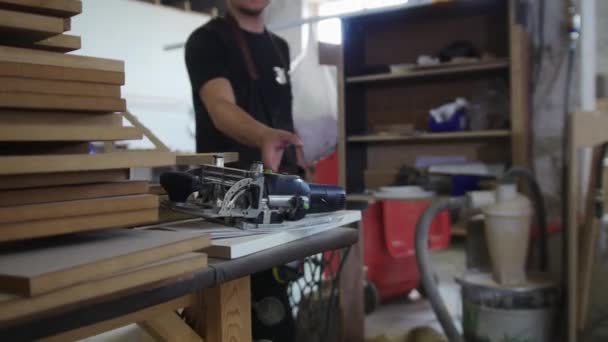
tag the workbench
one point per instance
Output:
(217, 297)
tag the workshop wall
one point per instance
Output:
(157, 87)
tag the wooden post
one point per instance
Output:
(352, 310)
(223, 313)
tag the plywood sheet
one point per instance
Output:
(60, 226)
(41, 86)
(43, 147)
(13, 308)
(60, 73)
(14, 165)
(62, 178)
(36, 267)
(59, 8)
(67, 133)
(27, 56)
(236, 247)
(15, 26)
(65, 102)
(61, 43)
(56, 210)
(71, 192)
(21, 117)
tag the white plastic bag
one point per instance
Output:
(315, 103)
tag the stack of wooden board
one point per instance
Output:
(40, 276)
(52, 106)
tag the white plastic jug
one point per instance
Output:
(508, 235)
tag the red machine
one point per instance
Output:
(389, 228)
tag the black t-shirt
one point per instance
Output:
(212, 52)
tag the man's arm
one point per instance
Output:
(218, 97)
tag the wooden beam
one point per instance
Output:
(16, 26)
(58, 8)
(61, 73)
(62, 178)
(169, 327)
(14, 309)
(16, 133)
(70, 119)
(73, 88)
(520, 90)
(146, 131)
(137, 316)
(60, 226)
(61, 102)
(71, 192)
(223, 313)
(27, 56)
(61, 43)
(16, 165)
(75, 208)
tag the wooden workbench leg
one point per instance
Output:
(351, 294)
(223, 313)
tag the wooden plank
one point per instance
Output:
(351, 297)
(467, 135)
(16, 133)
(62, 178)
(20, 117)
(242, 244)
(169, 327)
(147, 132)
(43, 147)
(225, 312)
(588, 237)
(62, 102)
(60, 226)
(59, 8)
(447, 69)
(205, 158)
(71, 192)
(14, 308)
(30, 269)
(84, 207)
(137, 316)
(30, 85)
(15, 26)
(15, 165)
(61, 43)
(60, 73)
(27, 56)
(520, 89)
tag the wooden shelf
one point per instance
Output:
(433, 71)
(378, 138)
(439, 70)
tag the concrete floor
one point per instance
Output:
(398, 316)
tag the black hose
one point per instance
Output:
(424, 264)
(541, 213)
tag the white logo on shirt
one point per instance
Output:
(280, 75)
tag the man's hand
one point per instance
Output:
(272, 145)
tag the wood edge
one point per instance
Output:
(42, 285)
(10, 307)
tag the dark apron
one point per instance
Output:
(260, 107)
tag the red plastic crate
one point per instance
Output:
(389, 229)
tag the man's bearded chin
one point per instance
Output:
(249, 11)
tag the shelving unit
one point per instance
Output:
(399, 37)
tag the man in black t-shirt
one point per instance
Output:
(241, 91)
(242, 97)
